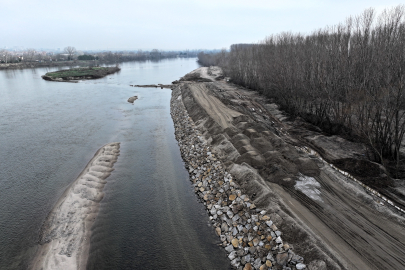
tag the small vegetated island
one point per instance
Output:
(74, 74)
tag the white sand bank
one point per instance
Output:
(65, 238)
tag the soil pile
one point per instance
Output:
(326, 217)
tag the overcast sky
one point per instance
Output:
(165, 25)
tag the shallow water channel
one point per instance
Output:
(149, 217)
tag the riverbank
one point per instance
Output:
(65, 237)
(35, 64)
(24, 65)
(247, 233)
(314, 204)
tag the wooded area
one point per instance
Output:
(347, 79)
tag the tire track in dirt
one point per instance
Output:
(359, 231)
(214, 107)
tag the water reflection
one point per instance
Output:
(9, 73)
(150, 217)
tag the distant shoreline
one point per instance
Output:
(24, 65)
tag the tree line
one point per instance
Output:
(70, 53)
(347, 79)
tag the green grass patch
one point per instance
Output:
(78, 72)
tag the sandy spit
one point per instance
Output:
(65, 237)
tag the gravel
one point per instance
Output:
(247, 233)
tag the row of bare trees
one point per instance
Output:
(70, 53)
(348, 78)
(31, 55)
(28, 55)
(212, 59)
(5, 56)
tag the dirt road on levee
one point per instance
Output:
(324, 214)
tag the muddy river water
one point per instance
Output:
(149, 217)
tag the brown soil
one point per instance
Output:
(194, 77)
(343, 225)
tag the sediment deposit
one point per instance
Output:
(65, 239)
(75, 74)
(248, 233)
(132, 99)
(240, 150)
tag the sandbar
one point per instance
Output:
(65, 237)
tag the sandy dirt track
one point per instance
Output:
(349, 224)
(215, 108)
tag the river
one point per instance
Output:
(149, 217)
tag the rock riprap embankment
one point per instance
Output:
(248, 234)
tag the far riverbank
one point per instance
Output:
(24, 65)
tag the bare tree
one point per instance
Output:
(155, 54)
(5, 55)
(109, 56)
(29, 55)
(346, 78)
(71, 51)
